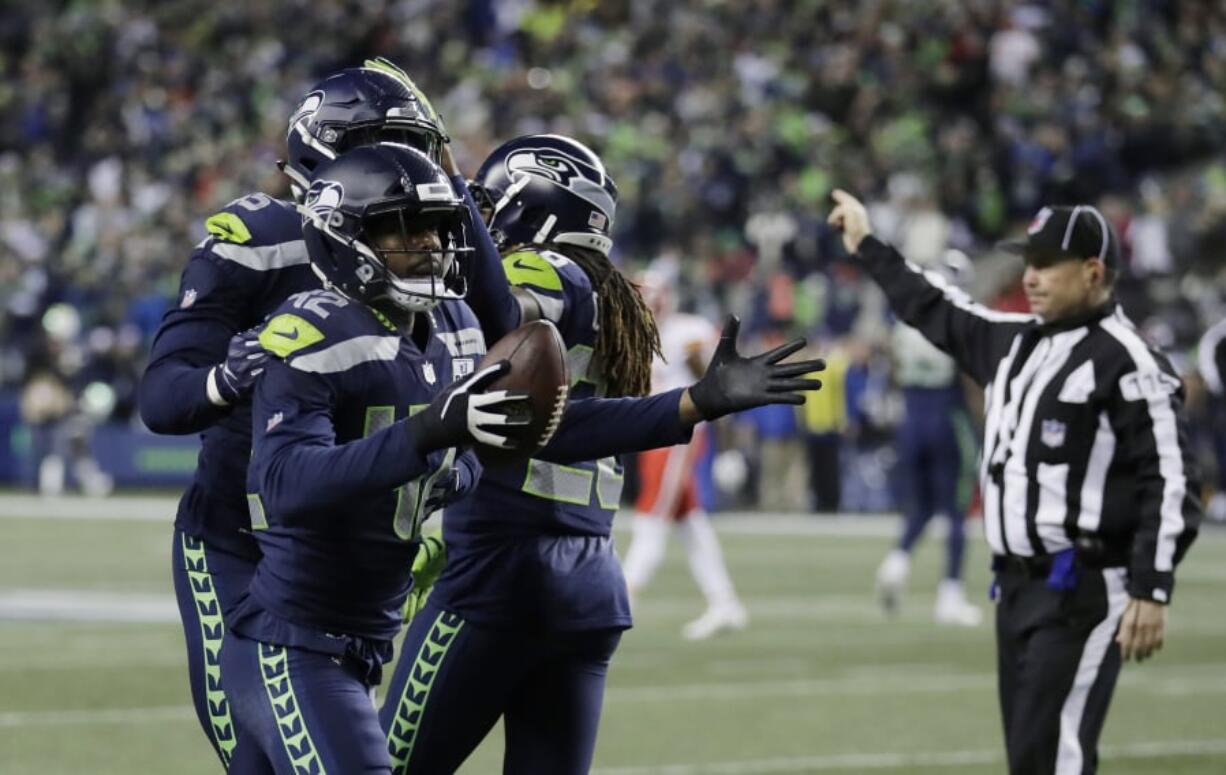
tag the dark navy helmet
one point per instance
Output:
(358, 202)
(541, 189)
(377, 102)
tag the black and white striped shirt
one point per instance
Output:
(1084, 432)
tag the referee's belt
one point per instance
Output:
(1030, 567)
(1089, 553)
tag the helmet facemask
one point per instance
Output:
(414, 254)
(422, 245)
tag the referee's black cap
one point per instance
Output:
(1062, 233)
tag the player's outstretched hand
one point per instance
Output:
(234, 377)
(733, 382)
(463, 414)
(850, 217)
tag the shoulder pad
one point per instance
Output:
(544, 269)
(324, 332)
(257, 232)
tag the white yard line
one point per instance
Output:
(39, 718)
(156, 508)
(893, 761)
(87, 606)
(891, 683)
(888, 682)
(161, 508)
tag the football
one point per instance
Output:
(538, 368)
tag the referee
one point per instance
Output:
(1089, 491)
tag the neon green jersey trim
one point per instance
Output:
(286, 334)
(528, 268)
(228, 227)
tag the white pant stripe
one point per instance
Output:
(1070, 757)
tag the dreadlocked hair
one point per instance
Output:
(628, 338)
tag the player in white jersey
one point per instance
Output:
(668, 491)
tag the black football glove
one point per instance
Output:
(234, 377)
(463, 414)
(733, 383)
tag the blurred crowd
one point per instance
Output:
(726, 123)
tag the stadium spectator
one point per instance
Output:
(126, 115)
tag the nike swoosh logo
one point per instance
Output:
(287, 336)
(519, 264)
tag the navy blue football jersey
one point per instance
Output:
(253, 258)
(338, 485)
(532, 545)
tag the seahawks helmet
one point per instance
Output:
(545, 189)
(377, 190)
(377, 102)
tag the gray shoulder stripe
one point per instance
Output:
(465, 341)
(345, 355)
(264, 258)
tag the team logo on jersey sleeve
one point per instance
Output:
(1052, 433)
(189, 298)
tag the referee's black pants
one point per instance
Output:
(1057, 663)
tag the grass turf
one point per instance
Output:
(820, 682)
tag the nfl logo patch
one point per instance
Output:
(189, 298)
(427, 371)
(1052, 433)
(461, 368)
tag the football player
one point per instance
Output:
(205, 356)
(372, 391)
(526, 615)
(373, 397)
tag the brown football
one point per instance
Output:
(538, 368)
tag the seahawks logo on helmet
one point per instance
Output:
(544, 163)
(564, 170)
(309, 107)
(322, 199)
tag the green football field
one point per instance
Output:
(92, 673)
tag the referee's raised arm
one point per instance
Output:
(976, 337)
(1089, 486)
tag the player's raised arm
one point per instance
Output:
(731, 383)
(973, 335)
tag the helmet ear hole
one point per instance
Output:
(534, 216)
